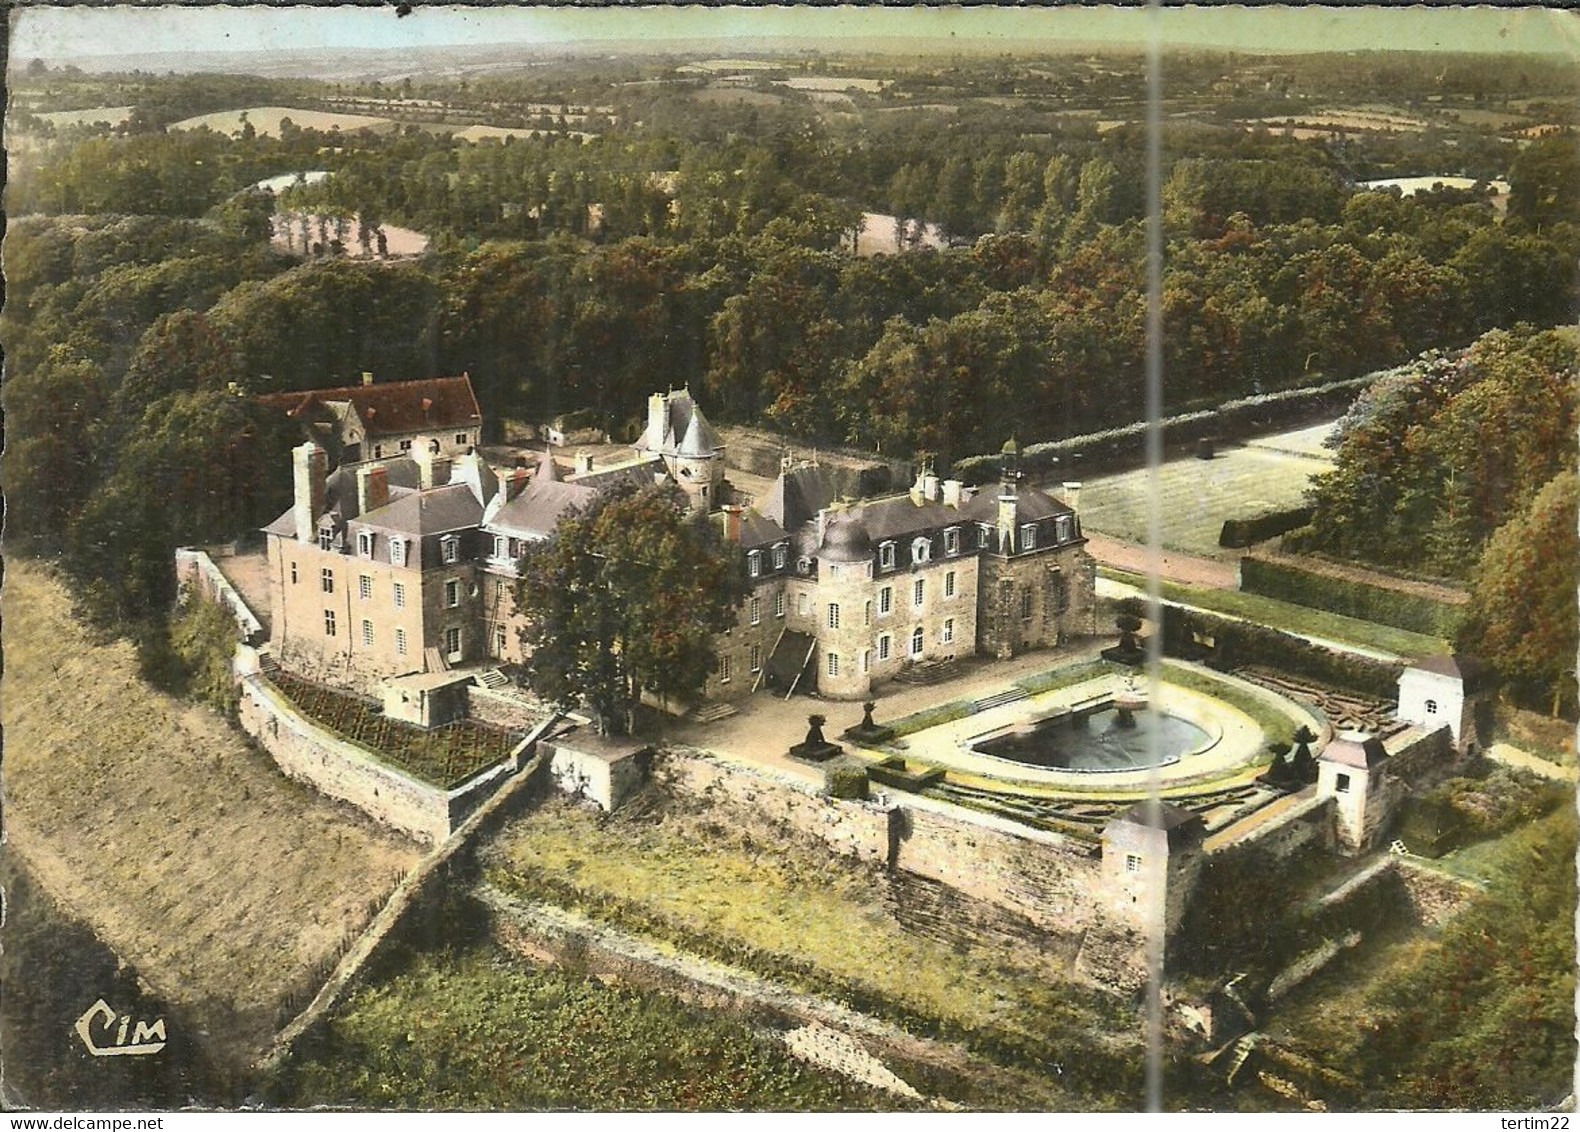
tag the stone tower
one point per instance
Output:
(844, 585)
(1152, 856)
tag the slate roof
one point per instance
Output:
(1472, 673)
(796, 496)
(682, 426)
(759, 530)
(540, 506)
(391, 407)
(1179, 825)
(1354, 749)
(901, 515)
(340, 486)
(642, 473)
(1031, 504)
(418, 513)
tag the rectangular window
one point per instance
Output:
(400, 641)
(500, 546)
(833, 615)
(405, 446)
(1028, 537)
(918, 591)
(452, 643)
(779, 557)
(886, 556)
(866, 660)
(756, 611)
(326, 579)
(754, 563)
(800, 604)
(982, 536)
(367, 634)
(499, 590)
(952, 541)
(949, 584)
(1341, 783)
(1025, 606)
(779, 604)
(397, 552)
(949, 631)
(329, 622)
(326, 539)
(1064, 528)
(724, 669)
(499, 640)
(885, 599)
(293, 573)
(1132, 863)
(365, 586)
(400, 595)
(365, 543)
(833, 664)
(917, 641)
(883, 647)
(460, 438)
(450, 548)
(757, 658)
(452, 593)
(866, 616)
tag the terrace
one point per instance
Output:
(444, 756)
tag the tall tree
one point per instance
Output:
(626, 599)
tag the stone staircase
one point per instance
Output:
(493, 679)
(999, 699)
(927, 672)
(712, 713)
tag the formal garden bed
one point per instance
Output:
(445, 756)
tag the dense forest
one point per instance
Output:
(705, 242)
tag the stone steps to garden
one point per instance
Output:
(927, 672)
(493, 678)
(712, 713)
(1008, 696)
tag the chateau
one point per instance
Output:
(406, 564)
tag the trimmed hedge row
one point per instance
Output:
(1259, 528)
(1238, 417)
(1288, 581)
(1238, 644)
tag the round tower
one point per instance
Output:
(844, 587)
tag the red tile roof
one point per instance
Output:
(392, 407)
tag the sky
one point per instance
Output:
(65, 33)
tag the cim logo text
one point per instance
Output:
(108, 1034)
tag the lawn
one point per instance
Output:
(477, 1030)
(818, 924)
(1196, 496)
(266, 121)
(445, 756)
(1301, 620)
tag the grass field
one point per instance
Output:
(1298, 619)
(1198, 495)
(781, 910)
(113, 115)
(153, 821)
(266, 120)
(474, 1029)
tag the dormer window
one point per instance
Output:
(921, 550)
(450, 548)
(754, 563)
(397, 552)
(326, 538)
(886, 555)
(1064, 528)
(983, 535)
(501, 546)
(365, 544)
(781, 552)
(1028, 536)
(952, 541)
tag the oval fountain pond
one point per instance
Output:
(1110, 739)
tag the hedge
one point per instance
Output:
(1259, 528)
(1238, 644)
(1351, 597)
(1239, 417)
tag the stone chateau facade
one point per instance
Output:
(406, 564)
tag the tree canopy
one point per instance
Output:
(625, 599)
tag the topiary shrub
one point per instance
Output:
(846, 780)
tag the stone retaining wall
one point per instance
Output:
(194, 567)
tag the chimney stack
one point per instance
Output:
(657, 406)
(367, 377)
(515, 482)
(952, 493)
(732, 521)
(584, 463)
(1072, 495)
(930, 488)
(311, 472)
(373, 488)
(433, 468)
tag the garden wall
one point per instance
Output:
(1309, 823)
(194, 567)
(309, 753)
